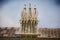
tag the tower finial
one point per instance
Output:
(24, 1)
(35, 6)
(24, 5)
(29, 4)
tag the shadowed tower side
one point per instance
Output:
(23, 19)
(34, 19)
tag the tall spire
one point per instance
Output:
(29, 13)
(29, 25)
(24, 12)
(35, 12)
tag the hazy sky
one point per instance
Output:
(48, 13)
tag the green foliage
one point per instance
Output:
(29, 38)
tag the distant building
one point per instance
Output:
(7, 32)
(42, 32)
(49, 32)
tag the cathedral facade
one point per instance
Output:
(29, 20)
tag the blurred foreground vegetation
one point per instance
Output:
(29, 38)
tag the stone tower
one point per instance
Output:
(29, 20)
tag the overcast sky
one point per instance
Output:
(48, 13)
